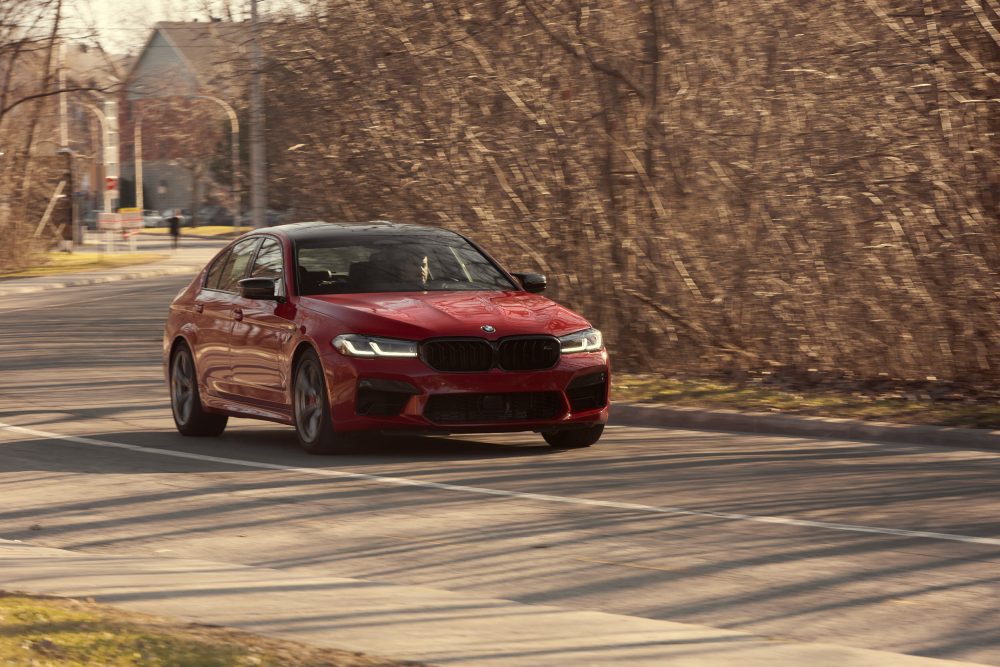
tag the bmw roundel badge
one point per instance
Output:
(488, 328)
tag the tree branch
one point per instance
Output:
(581, 53)
(28, 98)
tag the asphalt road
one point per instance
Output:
(797, 539)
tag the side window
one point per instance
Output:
(236, 267)
(212, 280)
(268, 263)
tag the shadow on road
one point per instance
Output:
(98, 363)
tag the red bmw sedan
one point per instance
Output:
(343, 329)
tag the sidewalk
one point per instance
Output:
(186, 260)
(405, 622)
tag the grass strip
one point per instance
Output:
(204, 231)
(56, 263)
(43, 631)
(900, 404)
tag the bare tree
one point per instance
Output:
(31, 33)
(802, 188)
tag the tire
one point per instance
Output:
(311, 407)
(574, 438)
(185, 399)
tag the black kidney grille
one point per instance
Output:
(528, 354)
(458, 355)
(472, 354)
(521, 406)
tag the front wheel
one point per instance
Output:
(573, 438)
(311, 403)
(185, 400)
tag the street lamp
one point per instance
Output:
(109, 147)
(234, 145)
(137, 141)
(234, 153)
(140, 203)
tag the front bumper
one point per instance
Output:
(407, 395)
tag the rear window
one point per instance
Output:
(398, 262)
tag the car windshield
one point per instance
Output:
(396, 262)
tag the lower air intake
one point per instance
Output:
(588, 392)
(469, 408)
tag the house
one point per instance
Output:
(89, 66)
(65, 151)
(180, 107)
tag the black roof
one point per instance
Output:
(301, 231)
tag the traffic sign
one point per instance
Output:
(131, 218)
(109, 222)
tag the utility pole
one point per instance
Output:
(63, 123)
(137, 143)
(258, 167)
(64, 149)
(111, 167)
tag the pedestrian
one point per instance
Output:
(175, 226)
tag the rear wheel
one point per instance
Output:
(572, 438)
(311, 403)
(185, 400)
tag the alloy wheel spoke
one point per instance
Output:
(308, 401)
(183, 387)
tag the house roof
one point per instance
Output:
(214, 52)
(91, 65)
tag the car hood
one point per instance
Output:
(421, 315)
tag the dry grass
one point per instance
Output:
(206, 231)
(57, 631)
(929, 404)
(757, 184)
(56, 263)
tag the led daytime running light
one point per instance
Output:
(357, 345)
(379, 352)
(588, 340)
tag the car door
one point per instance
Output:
(262, 334)
(214, 307)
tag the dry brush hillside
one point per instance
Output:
(719, 185)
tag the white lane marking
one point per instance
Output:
(568, 500)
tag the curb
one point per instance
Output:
(222, 236)
(660, 416)
(82, 280)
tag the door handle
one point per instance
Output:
(199, 307)
(238, 314)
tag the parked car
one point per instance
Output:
(89, 219)
(151, 219)
(186, 219)
(271, 218)
(342, 330)
(213, 214)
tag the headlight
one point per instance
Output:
(356, 345)
(588, 340)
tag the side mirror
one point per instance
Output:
(258, 288)
(532, 282)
